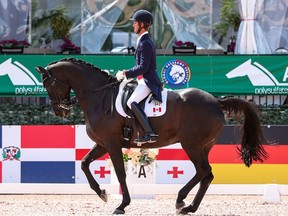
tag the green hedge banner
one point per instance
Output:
(219, 74)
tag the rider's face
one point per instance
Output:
(136, 26)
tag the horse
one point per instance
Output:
(193, 118)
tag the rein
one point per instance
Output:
(99, 89)
(103, 95)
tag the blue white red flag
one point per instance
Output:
(53, 154)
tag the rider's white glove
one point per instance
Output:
(120, 75)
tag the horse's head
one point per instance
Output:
(58, 92)
(4, 66)
(241, 70)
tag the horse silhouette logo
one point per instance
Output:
(257, 74)
(18, 73)
(176, 73)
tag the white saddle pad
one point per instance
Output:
(152, 109)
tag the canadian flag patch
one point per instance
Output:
(157, 109)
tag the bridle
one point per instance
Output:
(67, 104)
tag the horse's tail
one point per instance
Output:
(251, 134)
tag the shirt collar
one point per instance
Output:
(139, 38)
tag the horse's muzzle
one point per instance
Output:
(60, 112)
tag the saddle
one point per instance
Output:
(150, 105)
(127, 92)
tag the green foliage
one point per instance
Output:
(267, 116)
(229, 16)
(17, 114)
(59, 23)
(274, 116)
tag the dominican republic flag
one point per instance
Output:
(42, 154)
(47, 154)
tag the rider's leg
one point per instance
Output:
(140, 92)
(149, 135)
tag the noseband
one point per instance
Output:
(62, 103)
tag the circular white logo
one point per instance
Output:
(176, 73)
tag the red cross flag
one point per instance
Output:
(173, 166)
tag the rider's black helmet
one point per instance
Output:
(143, 16)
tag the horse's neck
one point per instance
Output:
(258, 77)
(93, 98)
(254, 72)
(93, 109)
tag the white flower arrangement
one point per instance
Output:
(139, 156)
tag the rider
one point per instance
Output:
(146, 72)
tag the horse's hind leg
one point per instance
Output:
(199, 157)
(204, 184)
(96, 152)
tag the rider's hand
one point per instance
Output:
(120, 75)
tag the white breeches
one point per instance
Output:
(140, 92)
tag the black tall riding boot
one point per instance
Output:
(149, 135)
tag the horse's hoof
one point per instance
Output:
(181, 211)
(180, 205)
(186, 210)
(103, 195)
(118, 211)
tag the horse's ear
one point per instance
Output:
(41, 70)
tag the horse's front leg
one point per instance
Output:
(118, 163)
(96, 152)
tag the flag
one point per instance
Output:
(159, 109)
(45, 154)
(174, 172)
(173, 166)
(53, 154)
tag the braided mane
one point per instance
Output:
(79, 61)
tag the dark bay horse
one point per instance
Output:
(193, 118)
